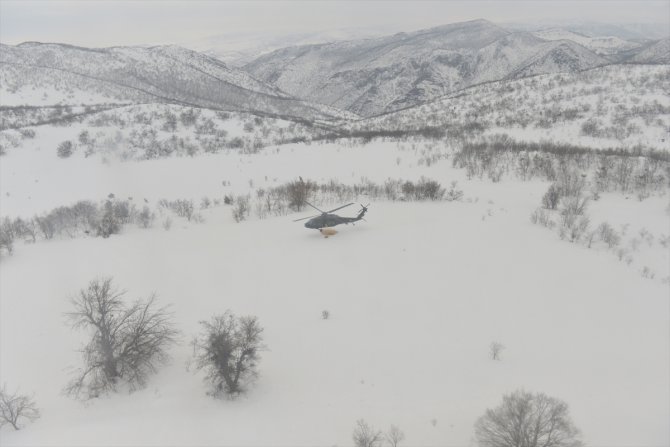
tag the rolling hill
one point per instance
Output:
(46, 74)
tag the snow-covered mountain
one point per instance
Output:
(656, 53)
(603, 45)
(624, 31)
(46, 73)
(372, 76)
(340, 80)
(238, 49)
(622, 105)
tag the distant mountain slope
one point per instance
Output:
(610, 45)
(657, 53)
(238, 49)
(625, 31)
(36, 73)
(558, 57)
(372, 76)
(612, 106)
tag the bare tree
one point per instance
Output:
(527, 420)
(298, 192)
(394, 436)
(242, 209)
(495, 349)
(551, 197)
(7, 235)
(128, 341)
(14, 407)
(26, 228)
(229, 351)
(366, 436)
(109, 222)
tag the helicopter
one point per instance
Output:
(326, 219)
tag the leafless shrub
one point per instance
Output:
(299, 192)
(574, 230)
(167, 223)
(27, 133)
(542, 217)
(646, 236)
(427, 189)
(394, 436)
(183, 208)
(83, 216)
(495, 349)
(647, 273)
(65, 149)
(495, 173)
(109, 222)
(392, 188)
(589, 237)
(242, 209)
(7, 235)
(15, 407)
(46, 226)
(622, 254)
(592, 128)
(571, 209)
(603, 173)
(608, 235)
(128, 341)
(528, 420)
(228, 350)
(551, 197)
(424, 189)
(146, 217)
(198, 218)
(623, 173)
(26, 228)
(634, 243)
(366, 436)
(570, 182)
(453, 194)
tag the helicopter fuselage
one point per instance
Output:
(330, 220)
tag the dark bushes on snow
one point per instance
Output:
(228, 350)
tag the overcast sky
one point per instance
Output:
(98, 23)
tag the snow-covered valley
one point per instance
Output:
(415, 294)
(507, 200)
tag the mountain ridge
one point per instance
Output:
(373, 76)
(164, 73)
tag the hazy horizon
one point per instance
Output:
(105, 23)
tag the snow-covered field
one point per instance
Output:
(416, 295)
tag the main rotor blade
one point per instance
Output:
(310, 217)
(314, 207)
(343, 206)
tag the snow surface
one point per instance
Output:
(416, 294)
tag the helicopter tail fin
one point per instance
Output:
(364, 209)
